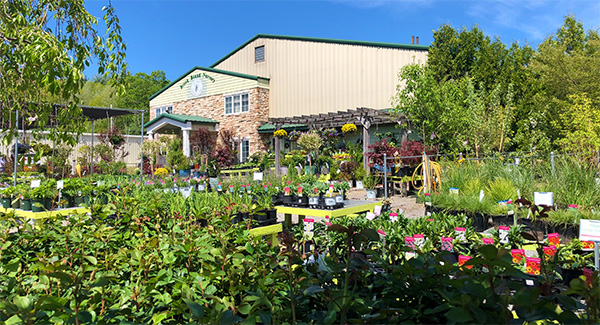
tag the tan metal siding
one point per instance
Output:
(223, 84)
(312, 77)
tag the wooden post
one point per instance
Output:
(366, 141)
(366, 120)
(277, 154)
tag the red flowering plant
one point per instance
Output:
(414, 148)
(377, 150)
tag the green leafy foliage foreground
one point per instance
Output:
(133, 261)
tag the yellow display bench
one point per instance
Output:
(238, 172)
(350, 207)
(271, 230)
(45, 214)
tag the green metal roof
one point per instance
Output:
(229, 73)
(324, 40)
(181, 118)
(269, 128)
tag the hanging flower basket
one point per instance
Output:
(348, 128)
(281, 133)
(294, 135)
(330, 133)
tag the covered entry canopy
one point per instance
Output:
(363, 115)
(168, 123)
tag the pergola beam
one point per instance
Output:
(365, 116)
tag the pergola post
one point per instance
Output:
(277, 153)
(366, 121)
(186, 141)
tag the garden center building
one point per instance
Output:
(273, 77)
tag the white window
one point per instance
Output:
(235, 104)
(166, 109)
(244, 150)
(259, 53)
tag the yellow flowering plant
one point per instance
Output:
(281, 133)
(349, 128)
(161, 172)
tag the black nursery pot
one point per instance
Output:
(236, 218)
(288, 200)
(302, 201)
(570, 274)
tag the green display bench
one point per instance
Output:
(45, 214)
(351, 207)
(272, 231)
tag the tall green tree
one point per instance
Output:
(45, 46)
(567, 66)
(139, 88)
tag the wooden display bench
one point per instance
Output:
(351, 208)
(45, 214)
(272, 231)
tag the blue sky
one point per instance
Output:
(175, 36)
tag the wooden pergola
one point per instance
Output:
(363, 115)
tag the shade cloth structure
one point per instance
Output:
(90, 112)
(168, 123)
(363, 115)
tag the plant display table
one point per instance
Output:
(271, 230)
(238, 172)
(45, 214)
(350, 207)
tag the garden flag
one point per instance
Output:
(461, 234)
(533, 265)
(503, 234)
(309, 226)
(410, 242)
(487, 240)
(447, 244)
(462, 259)
(549, 252)
(419, 240)
(553, 239)
(517, 255)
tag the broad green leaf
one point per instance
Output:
(197, 309)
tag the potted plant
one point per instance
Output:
(302, 197)
(7, 196)
(268, 213)
(39, 195)
(313, 197)
(342, 187)
(287, 195)
(369, 182)
(330, 200)
(25, 191)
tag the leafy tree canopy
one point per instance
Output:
(45, 46)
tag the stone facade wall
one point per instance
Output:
(244, 125)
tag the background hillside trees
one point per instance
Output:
(477, 95)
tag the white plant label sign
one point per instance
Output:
(60, 184)
(35, 183)
(589, 230)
